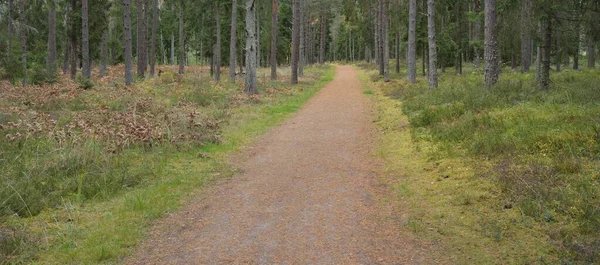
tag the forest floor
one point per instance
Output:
(308, 192)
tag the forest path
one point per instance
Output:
(307, 194)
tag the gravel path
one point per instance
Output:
(308, 194)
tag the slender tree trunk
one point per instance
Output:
(558, 55)
(274, 33)
(233, 41)
(51, 39)
(295, 41)
(525, 35)
(251, 51)
(412, 42)
(377, 33)
(538, 61)
(397, 52)
(65, 66)
(23, 41)
(85, 42)
(458, 63)
(591, 52)
(476, 34)
(153, 41)
(386, 40)
(181, 40)
(9, 29)
(258, 55)
(381, 29)
(323, 37)
(141, 39)
(492, 64)
(172, 49)
(545, 76)
(433, 77)
(577, 47)
(128, 39)
(302, 55)
(218, 45)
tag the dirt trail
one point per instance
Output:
(307, 195)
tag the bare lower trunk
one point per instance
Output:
(386, 41)
(152, 56)
(172, 49)
(476, 35)
(65, 66)
(233, 41)
(141, 39)
(577, 47)
(103, 54)
(274, 33)
(525, 35)
(545, 75)
(591, 52)
(218, 45)
(433, 77)
(251, 50)
(538, 59)
(295, 41)
(397, 52)
(302, 59)
(51, 67)
(181, 40)
(492, 63)
(322, 39)
(85, 42)
(9, 28)
(23, 42)
(412, 42)
(128, 39)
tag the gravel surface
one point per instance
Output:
(308, 194)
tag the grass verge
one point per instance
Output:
(507, 175)
(204, 124)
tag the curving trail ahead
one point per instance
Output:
(308, 194)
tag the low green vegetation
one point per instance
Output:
(85, 171)
(501, 175)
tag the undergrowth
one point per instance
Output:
(85, 170)
(533, 155)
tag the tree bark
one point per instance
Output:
(73, 41)
(181, 40)
(251, 51)
(538, 59)
(218, 45)
(153, 41)
(433, 77)
(9, 28)
(577, 47)
(302, 59)
(274, 33)
(23, 41)
(65, 66)
(492, 65)
(233, 40)
(295, 41)
(323, 38)
(381, 32)
(525, 35)
(172, 49)
(412, 42)
(85, 40)
(386, 40)
(397, 52)
(51, 67)
(476, 34)
(128, 39)
(141, 38)
(545, 76)
(103, 53)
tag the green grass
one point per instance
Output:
(87, 202)
(507, 174)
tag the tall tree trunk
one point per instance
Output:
(545, 76)
(323, 37)
(274, 33)
(181, 40)
(433, 77)
(218, 45)
(386, 40)
(103, 53)
(172, 49)
(397, 52)
(302, 59)
(381, 32)
(412, 42)
(377, 33)
(233, 40)
(51, 39)
(85, 40)
(23, 41)
(458, 63)
(525, 35)
(141, 39)
(258, 55)
(251, 51)
(65, 66)
(153, 41)
(295, 41)
(492, 64)
(9, 28)
(591, 52)
(558, 55)
(476, 34)
(128, 39)
(577, 47)
(538, 60)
